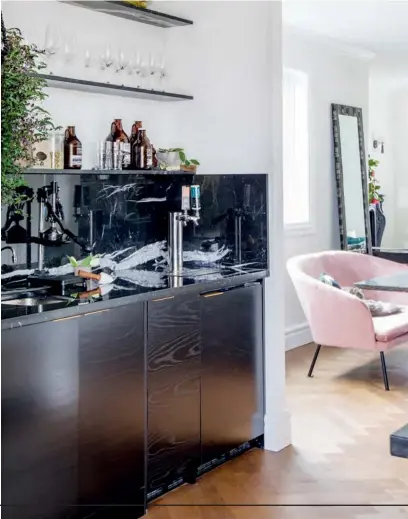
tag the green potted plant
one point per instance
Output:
(175, 159)
(374, 195)
(23, 121)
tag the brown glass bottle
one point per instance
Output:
(133, 138)
(72, 149)
(117, 134)
(142, 151)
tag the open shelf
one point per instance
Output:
(40, 171)
(131, 12)
(94, 87)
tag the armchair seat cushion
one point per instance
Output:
(389, 327)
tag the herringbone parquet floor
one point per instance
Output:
(341, 422)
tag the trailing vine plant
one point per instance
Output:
(23, 121)
(374, 195)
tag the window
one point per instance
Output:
(295, 149)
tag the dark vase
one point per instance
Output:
(381, 221)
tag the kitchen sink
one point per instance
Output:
(24, 297)
(32, 301)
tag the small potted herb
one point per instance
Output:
(174, 159)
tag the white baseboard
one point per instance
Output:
(297, 335)
(277, 431)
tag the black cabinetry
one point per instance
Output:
(173, 389)
(232, 398)
(111, 411)
(39, 391)
(73, 417)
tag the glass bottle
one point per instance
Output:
(72, 149)
(133, 138)
(118, 135)
(142, 151)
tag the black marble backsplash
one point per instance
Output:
(125, 218)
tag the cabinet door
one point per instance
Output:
(39, 390)
(232, 403)
(173, 384)
(112, 410)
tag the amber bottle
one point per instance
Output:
(117, 134)
(142, 151)
(133, 138)
(72, 149)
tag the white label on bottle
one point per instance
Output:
(149, 157)
(75, 160)
(125, 148)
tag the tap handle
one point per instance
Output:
(195, 198)
(185, 199)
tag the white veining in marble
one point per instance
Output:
(206, 257)
(109, 191)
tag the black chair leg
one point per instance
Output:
(384, 371)
(312, 365)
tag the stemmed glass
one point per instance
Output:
(87, 59)
(162, 73)
(51, 44)
(121, 63)
(139, 68)
(69, 49)
(152, 71)
(106, 59)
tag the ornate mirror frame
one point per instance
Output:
(351, 111)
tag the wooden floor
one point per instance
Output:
(341, 422)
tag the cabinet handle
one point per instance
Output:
(80, 315)
(66, 318)
(162, 299)
(213, 294)
(97, 312)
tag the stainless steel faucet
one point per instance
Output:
(13, 253)
(190, 200)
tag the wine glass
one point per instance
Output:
(51, 44)
(162, 74)
(69, 49)
(121, 63)
(87, 58)
(139, 69)
(151, 71)
(106, 59)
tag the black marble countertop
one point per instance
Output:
(124, 292)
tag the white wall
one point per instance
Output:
(389, 123)
(231, 61)
(399, 132)
(381, 129)
(335, 76)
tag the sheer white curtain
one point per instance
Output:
(296, 148)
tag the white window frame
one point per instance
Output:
(306, 227)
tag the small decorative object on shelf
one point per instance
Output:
(142, 4)
(133, 10)
(174, 159)
(118, 135)
(72, 150)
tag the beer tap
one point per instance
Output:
(190, 201)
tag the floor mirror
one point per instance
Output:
(351, 178)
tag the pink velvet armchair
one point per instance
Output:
(337, 318)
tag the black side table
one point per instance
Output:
(399, 442)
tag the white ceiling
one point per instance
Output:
(373, 25)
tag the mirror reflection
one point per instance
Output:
(351, 178)
(352, 185)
